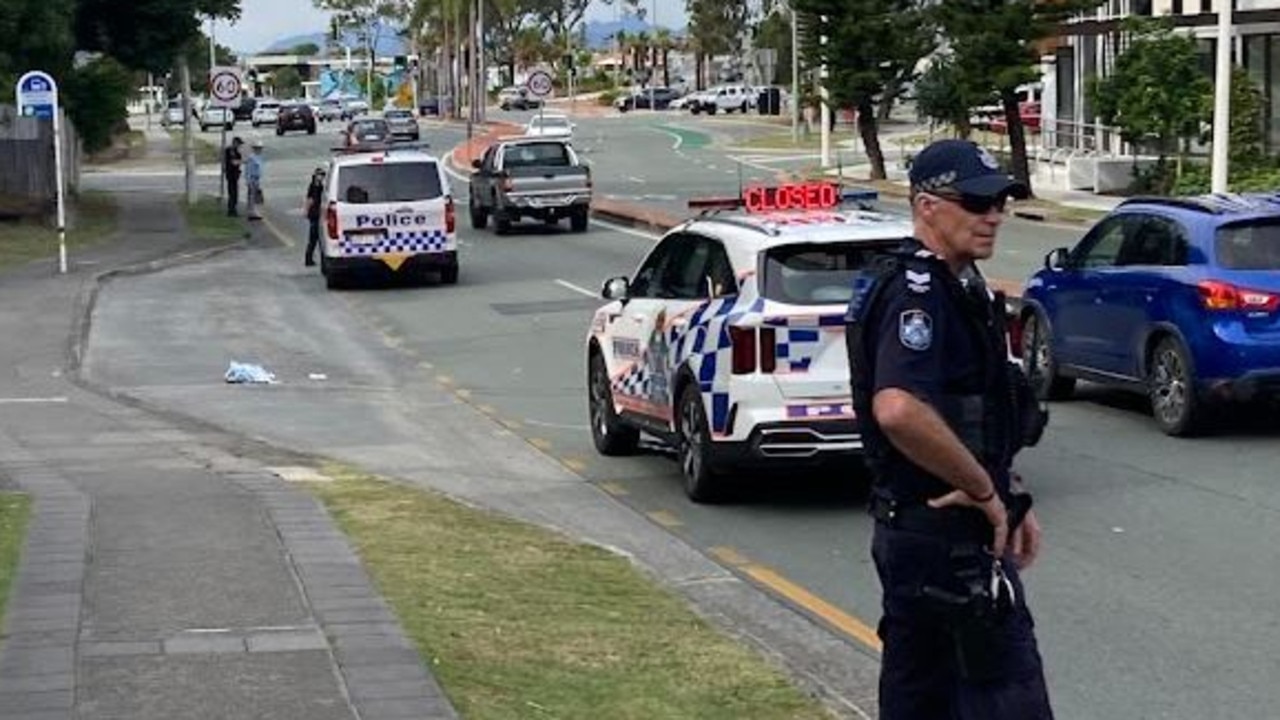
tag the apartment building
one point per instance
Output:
(1092, 42)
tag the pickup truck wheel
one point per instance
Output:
(501, 223)
(479, 218)
(712, 109)
(579, 219)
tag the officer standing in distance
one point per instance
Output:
(943, 414)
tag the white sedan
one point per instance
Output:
(549, 126)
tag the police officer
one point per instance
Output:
(232, 160)
(311, 208)
(943, 413)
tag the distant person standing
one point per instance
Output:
(315, 199)
(231, 162)
(253, 180)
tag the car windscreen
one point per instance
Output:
(369, 126)
(550, 154)
(389, 182)
(817, 273)
(1249, 245)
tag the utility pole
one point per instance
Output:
(482, 84)
(471, 62)
(653, 66)
(1222, 100)
(795, 75)
(188, 157)
(824, 98)
(213, 54)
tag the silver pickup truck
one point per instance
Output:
(536, 178)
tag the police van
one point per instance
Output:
(388, 208)
(728, 340)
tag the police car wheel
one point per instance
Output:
(1049, 385)
(1176, 407)
(449, 275)
(608, 433)
(695, 439)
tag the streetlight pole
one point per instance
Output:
(795, 76)
(653, 66)
(1222, 100)
(824, 98)
(213, 54)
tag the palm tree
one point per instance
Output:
(527, 48)
(664, 44)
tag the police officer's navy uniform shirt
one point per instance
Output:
(922, 344)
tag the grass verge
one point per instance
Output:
(206, 152)
(782, 141)
(207, 220)
(28, 239)
(14, 509)
(518, 622)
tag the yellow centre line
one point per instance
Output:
(280, 235)
(828, 613)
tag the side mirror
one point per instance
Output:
(615, 289)
(475, 163)
(1056, 259)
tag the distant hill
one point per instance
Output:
(599, 36)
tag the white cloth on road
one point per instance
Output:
(248, 373)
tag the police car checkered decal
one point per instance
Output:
(398, 242)
(704, 344)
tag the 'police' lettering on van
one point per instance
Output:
(391, 220)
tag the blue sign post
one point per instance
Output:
(37, 94)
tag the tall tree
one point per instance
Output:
(946, 95)
(146, 34)
(716, 27)
(35, 35)
(995, 42)
(865, 44)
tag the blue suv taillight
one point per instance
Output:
(1217, 295)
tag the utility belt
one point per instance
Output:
(954, 524)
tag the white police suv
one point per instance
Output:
(391, 208)
(729, 339)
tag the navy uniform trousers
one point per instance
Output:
(919, 679)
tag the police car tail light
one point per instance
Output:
(450, 217)
(331, 220)
(743, 340)
(1216, 295)
(753, 347)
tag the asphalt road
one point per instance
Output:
(1154, 594)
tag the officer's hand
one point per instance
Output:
(994, 510)
(1026, 541)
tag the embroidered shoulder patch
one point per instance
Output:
(915, 330)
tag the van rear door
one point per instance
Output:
(392, 208)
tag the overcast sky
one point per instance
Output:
(262, 22)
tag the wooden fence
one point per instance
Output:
(27, 179)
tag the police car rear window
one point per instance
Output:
(389, 182)
(816, 273)
(1252, 245)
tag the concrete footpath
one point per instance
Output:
(170, 570)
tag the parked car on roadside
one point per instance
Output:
(402, 123)
(661, 99)
(217, 117)
(1174, 298)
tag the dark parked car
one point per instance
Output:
(661, 97)
(244, 111)
(522, 101)
(1175, 298)
(295, 116)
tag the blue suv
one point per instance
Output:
(1176, 298)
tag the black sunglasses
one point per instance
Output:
(975, 204)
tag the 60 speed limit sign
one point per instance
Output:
(539, 83)
(224, 86)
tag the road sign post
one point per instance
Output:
(37, 95)
(541, 85)
(225, 88)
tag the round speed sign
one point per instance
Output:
(224, 86)
(539, 83)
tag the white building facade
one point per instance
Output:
(1092, 42)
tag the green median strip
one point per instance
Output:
(689, 139)
(519, 622)
(14, 511)
(208, 220)
(91, 217)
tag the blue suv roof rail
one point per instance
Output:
(1216, 204)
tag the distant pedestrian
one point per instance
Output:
(253, 180)
(231, 162)
(315, 198)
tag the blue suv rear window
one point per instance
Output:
(1253, 245)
